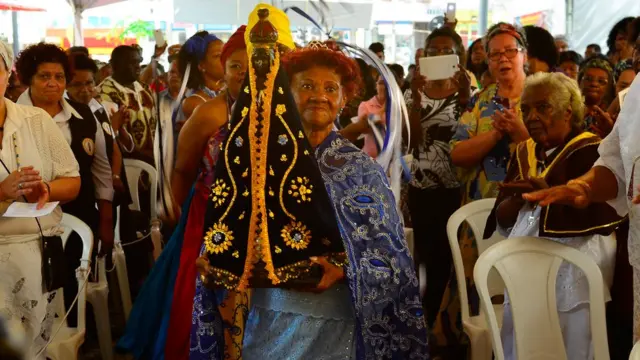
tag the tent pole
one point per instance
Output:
(483, 18)
(78, 39)
(16, 38)
(569, 18)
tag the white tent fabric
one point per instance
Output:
(592, 20)
(235, 12)
(78, 7)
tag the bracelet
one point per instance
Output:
(48, 187)
(583, 185)
(117, 177)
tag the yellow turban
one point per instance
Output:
(278, 19)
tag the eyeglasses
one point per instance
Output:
(598, 80)
(88, 84)
(509, 53)
(436, 52)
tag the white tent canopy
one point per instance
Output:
(235, 12)
(78, 7)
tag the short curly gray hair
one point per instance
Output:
(565, 94)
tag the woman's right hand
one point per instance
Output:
(331, 274)
(204, 269)
(418, 82)
(20, 182)
(119, 118)
(604, 122)
(572, 195)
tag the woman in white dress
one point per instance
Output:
(37, 163)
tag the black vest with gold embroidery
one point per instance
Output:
(83, 145)
(569, 161)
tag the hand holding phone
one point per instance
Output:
(439, 67)
(159, 38)
(450, 16)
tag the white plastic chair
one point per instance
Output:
(67, 341)
(123, 278)
(134, 169)
(475, 214)
(529, 267)
(98, 297)
(635, 353)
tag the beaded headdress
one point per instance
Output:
(268, 210)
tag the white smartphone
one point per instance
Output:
(439, 67)
(451, 12)
(159, 37)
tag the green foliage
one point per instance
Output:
(138, 29)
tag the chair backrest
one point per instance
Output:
(635, 353)
(134, 169)
(70, 224)
(529, 267)
(475, 214)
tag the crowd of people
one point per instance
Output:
(291, 246)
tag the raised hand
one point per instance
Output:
(572, 195)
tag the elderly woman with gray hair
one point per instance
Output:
(557, 152)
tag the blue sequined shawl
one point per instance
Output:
(381, 276)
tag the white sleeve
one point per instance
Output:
(611, 158)
(101, 168)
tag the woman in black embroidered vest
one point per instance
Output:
(36, 162)
(45, 68)
(81, 89)
(557, 152)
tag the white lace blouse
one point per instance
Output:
(33, 139)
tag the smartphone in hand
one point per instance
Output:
(159, 38)
(439, 67)
(451, 12)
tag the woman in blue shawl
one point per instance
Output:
(304, 220)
